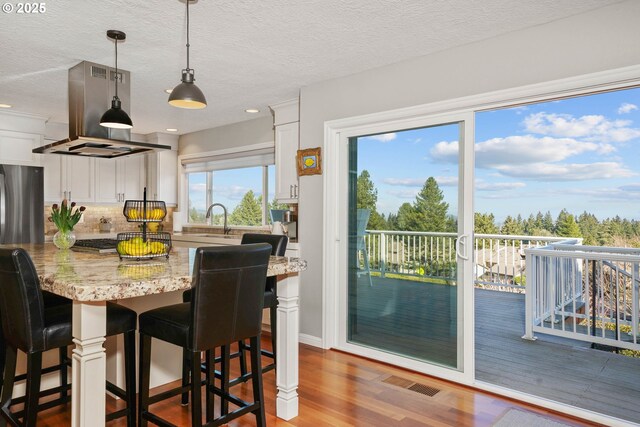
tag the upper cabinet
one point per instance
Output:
(287, 142)
(19, 134)
(120, 179)
(162, 169)
(15, 148)
(68, 177)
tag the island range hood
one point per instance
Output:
(91, 88)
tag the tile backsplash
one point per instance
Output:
(92, 217)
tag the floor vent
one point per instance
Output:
(424, 389)
(410, 385)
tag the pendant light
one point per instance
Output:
(187, 94)
(115, 117)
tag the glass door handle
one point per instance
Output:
(462, 243)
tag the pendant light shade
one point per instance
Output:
(187, 94)
(116, 117)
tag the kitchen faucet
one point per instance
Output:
(225, 229)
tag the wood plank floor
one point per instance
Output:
(338, 389)
(418, 319)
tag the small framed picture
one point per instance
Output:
(309, 162)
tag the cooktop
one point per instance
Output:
(102, 246)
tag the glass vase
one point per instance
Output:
(64, 239)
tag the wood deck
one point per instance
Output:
(414, 319)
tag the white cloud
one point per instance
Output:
(618, 194)
(404, 194)
(447, 181)
(405, 182)
(443, 181)
(567, 172)
(590, 127)
(385, 137)
(498, 186)
(232, 192)
(626, 108)
(197, 188)
(516, 150)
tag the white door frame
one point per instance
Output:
(336, 228)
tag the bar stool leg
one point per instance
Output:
(196, 385)
(145, 370)
(210, 383)
(7, 388)
(243, 360)
(186, 363)
(256, 374)
(34, 368)
(224, 370)
(130, 375)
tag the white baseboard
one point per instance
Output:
(310, 340)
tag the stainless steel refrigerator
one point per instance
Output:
(21, 204)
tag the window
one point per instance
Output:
(240, 190)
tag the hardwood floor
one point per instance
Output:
(338, 389)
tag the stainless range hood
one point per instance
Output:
(91, 88)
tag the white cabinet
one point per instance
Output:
(287, 135)
(130, 178)
(162, 176)
(120, 179)
(106, 186)
(15, 148)
(68, 177)
(286, 141)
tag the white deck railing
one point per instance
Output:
(589, 293)
(499, 259)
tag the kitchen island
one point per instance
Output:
(92, 279)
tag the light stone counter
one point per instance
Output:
(92, 279)
(83, 276)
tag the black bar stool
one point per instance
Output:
(278, 248)
(29, 327)
(226, 307)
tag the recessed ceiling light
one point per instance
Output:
(5, 106)
(168, 91)
(171, 130)
(252, 110)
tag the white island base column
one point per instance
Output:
(287, 346)
(89, 363)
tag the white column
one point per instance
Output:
(287, 347)
(89, 364)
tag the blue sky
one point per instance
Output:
(229, 186)
(579, 153)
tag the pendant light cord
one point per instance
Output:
(188, 35)
(116, 77)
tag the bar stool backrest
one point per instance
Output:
(227, 294)
(21, 302)
(278, 242)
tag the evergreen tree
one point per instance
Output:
(405, 220)
(430, 208)
(547, 222)
(366, 198)
(589, 228)
(484, 223)
(566, 225)
(248, 212)
(511, 227)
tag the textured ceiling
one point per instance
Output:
(246, 53)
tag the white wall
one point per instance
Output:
(249, 132)
(599, 40)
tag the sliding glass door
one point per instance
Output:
(408, 240)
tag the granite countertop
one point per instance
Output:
(86, 276)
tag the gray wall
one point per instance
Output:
(600, 40)
(249, 132)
